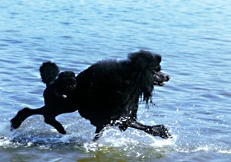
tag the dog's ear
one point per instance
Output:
(144, 60)
(158, 58)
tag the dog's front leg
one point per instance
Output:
(156, 130)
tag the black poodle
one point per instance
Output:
(107, 93)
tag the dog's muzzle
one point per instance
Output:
(159, 78)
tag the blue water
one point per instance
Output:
(194, 39)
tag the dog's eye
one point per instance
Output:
(154, 72)
(157, 68)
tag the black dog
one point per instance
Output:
(107, 93)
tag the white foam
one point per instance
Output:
(225, 151)
(129, 138)
(4, 142)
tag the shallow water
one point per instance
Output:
(192, 37)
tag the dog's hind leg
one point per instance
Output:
(156, 130)
(50, 119)
(98, 133)
(23, 114)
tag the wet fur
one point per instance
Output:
(107, 93)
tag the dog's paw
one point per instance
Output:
(158, 130)
(62, 131)
(15, 123)
(20, 117)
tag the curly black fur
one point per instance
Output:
(48, 71)
(106, 93)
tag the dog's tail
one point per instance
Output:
(48, 71)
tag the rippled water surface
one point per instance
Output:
(194, 39)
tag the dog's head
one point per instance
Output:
(148, 65)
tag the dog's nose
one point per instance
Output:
(167, 78)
